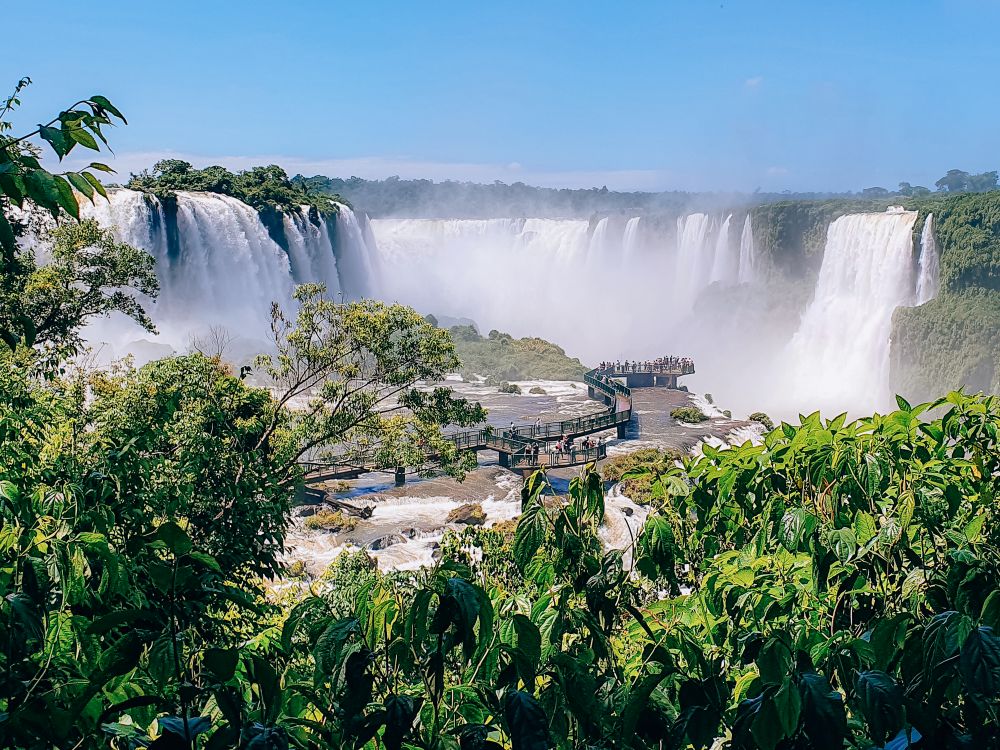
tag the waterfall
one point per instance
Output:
(839, 357)
(599, 242)
(218, 265)
(631, 239)
(310, 251)
(748, 258)
(567, 280)
(726, 267)
(928, 266)
(695, 257)
(357, 256)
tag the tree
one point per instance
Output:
(956, 181)
(87, 273)
(359, 365)
(983, 183)
(875, 192)
(23, 182)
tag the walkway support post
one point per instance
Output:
(400, 476)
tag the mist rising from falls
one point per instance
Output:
(748, 255)
(219, 266)
(725, 267)
(928, 266)
(839, 357)
(619, 282)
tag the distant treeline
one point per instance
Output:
(450, 199)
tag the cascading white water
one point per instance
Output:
(310, 251)
(695, 256)
(748, 257)
(839, 357)
(556, 278)
(631, 240)
(725, 267)
(928, 266)
(357, 257)
(218, 265)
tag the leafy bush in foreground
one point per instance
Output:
(691, 414)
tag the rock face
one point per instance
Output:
(470, 514)
(386, 541)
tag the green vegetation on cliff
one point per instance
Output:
(263, 188)
(954, 340)
(500, 357)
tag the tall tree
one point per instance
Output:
(23, 181)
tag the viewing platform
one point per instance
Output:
(545, 445)
(658, 373)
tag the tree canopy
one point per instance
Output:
(261, 187)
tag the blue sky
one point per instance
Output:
(636, 95)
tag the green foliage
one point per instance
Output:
(957, 181)
(23, 182)
(263, 188)
(330, 520)
(87, 274)
(358, 365)
(500, 357)
(691, 414)
(763, 419)
(952, 341)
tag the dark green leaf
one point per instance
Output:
(881, 701)
(823, 714)
(979, 663)
(221, 663)
(526, 722)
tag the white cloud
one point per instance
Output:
(753, 83)
(377, 167)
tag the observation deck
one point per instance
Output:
(528, 448)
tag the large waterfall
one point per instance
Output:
(839, 358)
(613, 286)
(219, 265)
(579, 283)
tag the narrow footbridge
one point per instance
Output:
(531, 447)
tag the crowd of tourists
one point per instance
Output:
(565, 446)
(660, 365)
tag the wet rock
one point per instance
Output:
(470, 513)
(305, 511)
(409, 532)
(386, 541)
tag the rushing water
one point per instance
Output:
(839, 357)
(748, 257)
(562, 279)
(614, 286)
(928, 267)
(219, 266)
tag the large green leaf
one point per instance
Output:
(824, 720)
(400, 713)
(796, 526)
(979, 663)
(881, 701)
(527, 725)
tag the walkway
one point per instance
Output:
(525, 448)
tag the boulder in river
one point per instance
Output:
(386, 541)
(470, 513)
